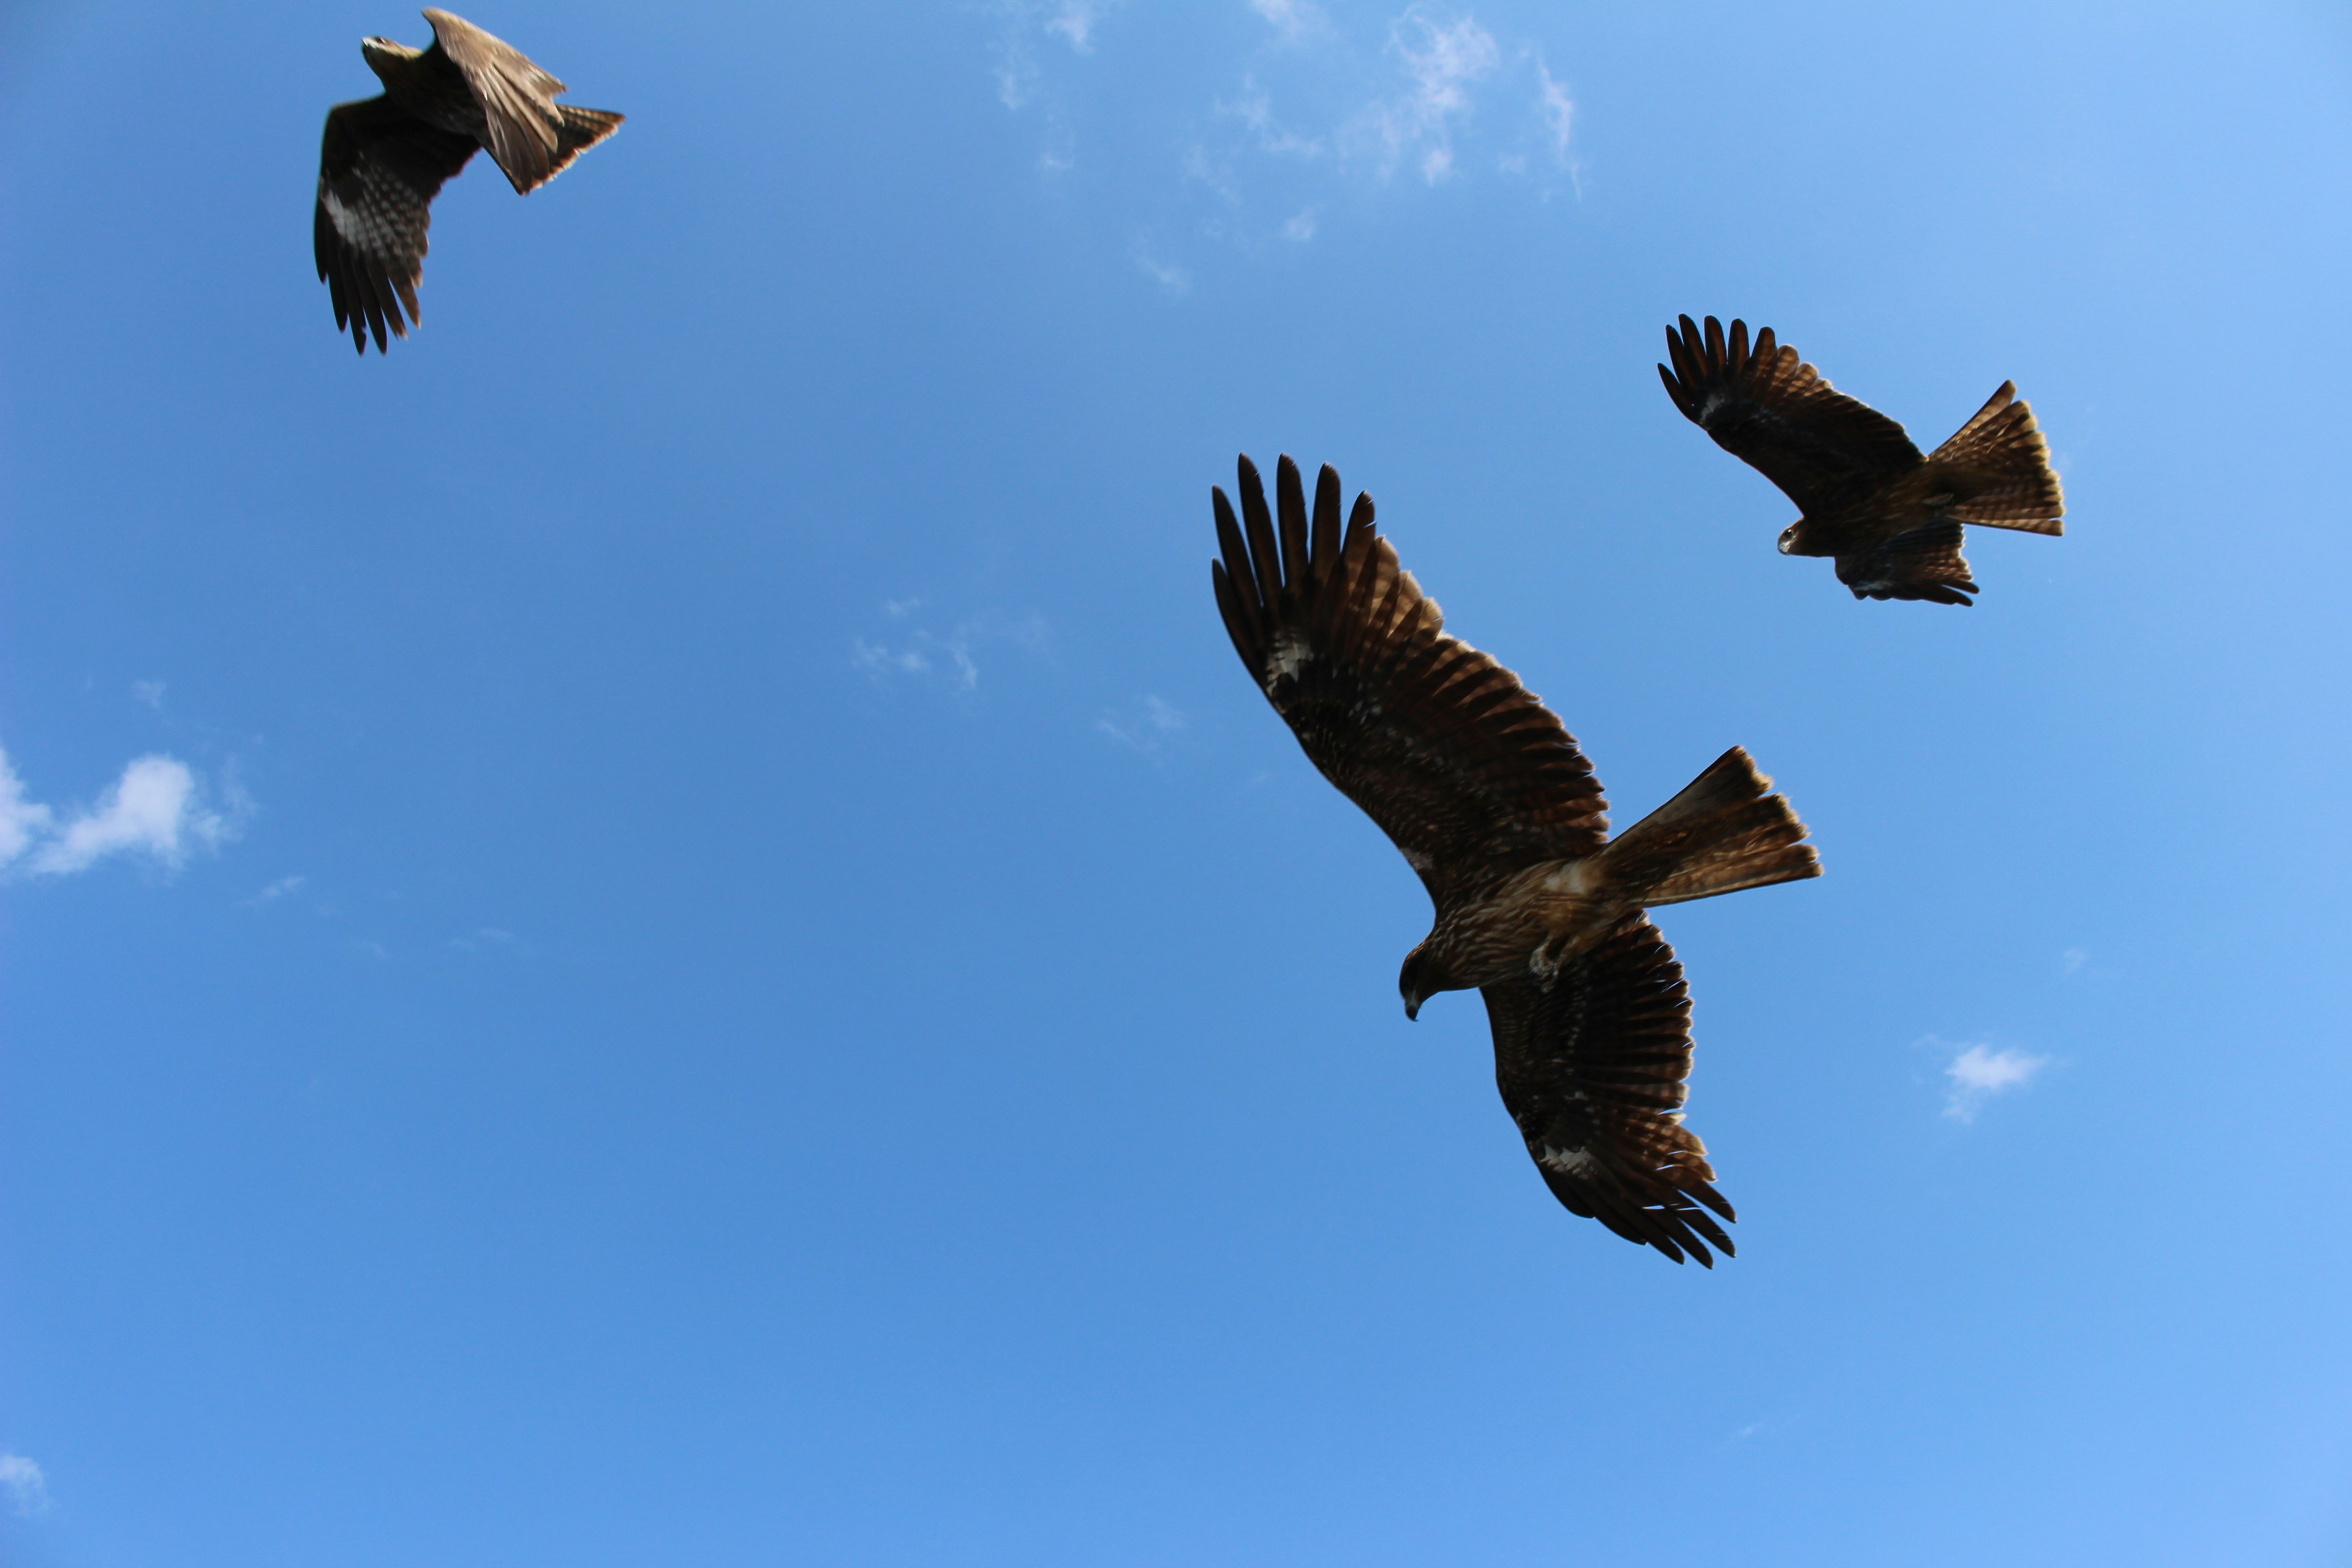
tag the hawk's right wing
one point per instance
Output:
(533, 137)
(1775, 414)
(1465, 770)
(379, 169)
(1592, 1064)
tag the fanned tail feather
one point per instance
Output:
(1998, 468)
(1724, 832)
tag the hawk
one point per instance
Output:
(1890, 518)
(1474, 780)
(384, 159)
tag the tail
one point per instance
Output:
(1721, 834)
(577, 131)
(1998, 471)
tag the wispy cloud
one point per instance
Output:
(1023, 26)
(1557, 110)
(1175, 280)
(21, 820)
(1145, 726)
(278, 889)
(27, 1488)
(1075, 20)
(1978, 1073)
(916, 652)
(151, 692)
(1293, 20)
(1441, 59)
(156, 809)
(2072, 961)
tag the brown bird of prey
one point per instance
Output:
(384, 158)
(1890, 518)
(1474, 780)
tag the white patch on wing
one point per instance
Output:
(1291, 652)
(352, 226)
(1574, 878)
(1567, 1162)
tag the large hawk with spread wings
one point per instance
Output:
(1890, 518)
(384, 159)
(1475, 781)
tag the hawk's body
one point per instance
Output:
(1891, 517)
(1475, 781)
(384, 159)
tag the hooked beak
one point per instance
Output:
(1413, 1009)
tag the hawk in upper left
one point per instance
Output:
(384, 158)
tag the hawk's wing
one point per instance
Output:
(532, 136)
(379, 170)
(1775, 414)
(1924, 564)
(1592, 1064)
(1465, 769)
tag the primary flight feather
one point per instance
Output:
(1482, 790)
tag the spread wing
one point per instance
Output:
(1923, 563)
(1591, 1063)
(1775, 414)
(1465, 769)
(379, 169)
(532, 136)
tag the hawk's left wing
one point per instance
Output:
(1780, 415)
(379, 169)
(1465, 770)
(1592, 1064)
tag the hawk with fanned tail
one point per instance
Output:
(384, 159)
(1474, 780)
(1889, 518)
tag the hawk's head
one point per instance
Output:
(1795, 539)
(1420, 980)
(379, 52)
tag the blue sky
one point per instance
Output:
(661, 928)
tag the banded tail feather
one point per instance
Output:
(1723, 832)
(2001, 466)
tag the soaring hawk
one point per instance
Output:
(384, 158)
(1475, 781)
(1889, 517)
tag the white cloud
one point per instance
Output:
(1016, 75)
(1558, 110)
(2071, 962)
(1294, 19)
(920, 653)
(278, 889)
(151, 692)
(156, 808)
(27, 1490)
(1145, 727)
(1301, 226)
(1075, 19)
(1167, 274)
(151, 809)
(1977, 1074)
(1254, 109)
(1442, 61)
(21, 820)
(876, 659)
